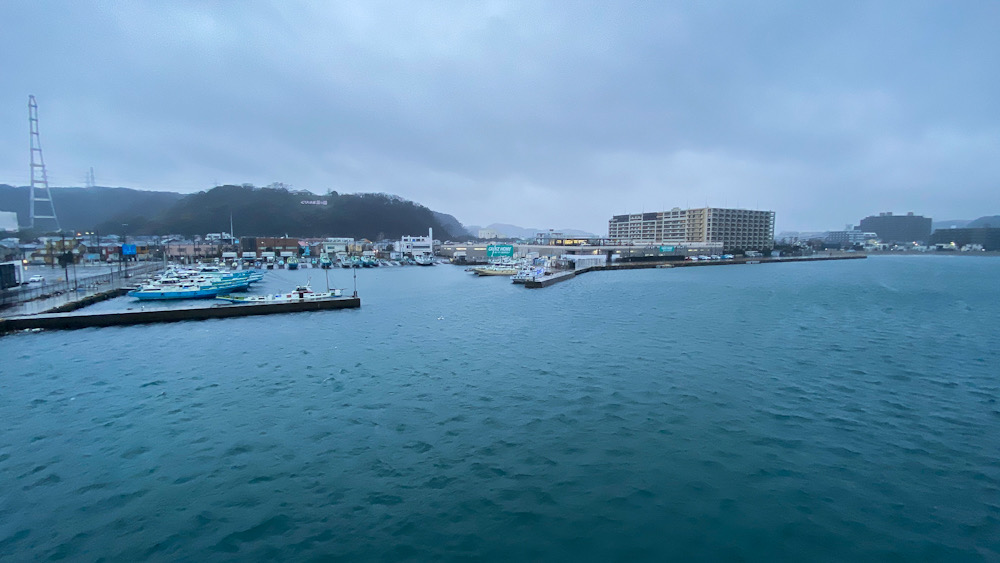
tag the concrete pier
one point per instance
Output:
(546, 281)
(219, 311)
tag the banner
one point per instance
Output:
(500, 251)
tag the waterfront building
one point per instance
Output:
(988, 238)
(736, 229)
(274, 246)
(898, 228)
(417, 246)
(473, 252)
(336, 245)
(849, 237)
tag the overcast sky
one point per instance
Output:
(549, 115)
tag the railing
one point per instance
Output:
(55, 293)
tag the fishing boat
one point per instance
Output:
(424, 260)
(528, 274)
(497, 270)
(300, 294)
(292, 263)
(187, 289)
(325, 262)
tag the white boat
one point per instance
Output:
(186, 290)
(528, 274)
(496, 270)
(424, 260)
(300, 294)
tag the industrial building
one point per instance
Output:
(898, 228)
(988, 238)
(736, 229)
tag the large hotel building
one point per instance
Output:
(736, 229)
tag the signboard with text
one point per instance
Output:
(500, 251)
(666, 249)
(128, 250)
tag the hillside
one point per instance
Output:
(254, 211)
(81, 209)
(278, 211)
(987, 221)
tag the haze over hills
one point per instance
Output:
(271, 211)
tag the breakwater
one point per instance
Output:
(74, 321)
(567, 275)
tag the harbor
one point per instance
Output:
(174, 294)
(65, 313)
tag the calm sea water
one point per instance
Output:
(829, 411)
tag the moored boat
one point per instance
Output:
(300, 294)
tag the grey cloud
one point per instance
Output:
(546, 114)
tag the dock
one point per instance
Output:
(67, 321)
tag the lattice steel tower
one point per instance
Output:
(39, 179)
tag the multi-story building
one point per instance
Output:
(736, 229)
(417, 246)
(898, 228)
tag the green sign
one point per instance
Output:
(500, 251)
(666, 249)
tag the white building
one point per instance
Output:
(8, 221)
(490, 234)
(333, 245)
(417, 246)
(744, 229)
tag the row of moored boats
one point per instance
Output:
(209, 282)
(195, 283)
(518, 271)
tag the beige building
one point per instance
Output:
(736, 229)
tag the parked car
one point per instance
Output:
(36, 279)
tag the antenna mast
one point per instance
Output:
(39, 179)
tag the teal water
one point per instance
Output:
(815, 412)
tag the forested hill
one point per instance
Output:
(82, 209)
(255, 211)
(278, 211)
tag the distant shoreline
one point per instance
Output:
(933, 253)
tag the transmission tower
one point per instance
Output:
(39, 179)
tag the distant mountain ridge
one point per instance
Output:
(270, 211)
(950, 224)
(513, 231)
(987, 221)
(81, 209)
(984, 221)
